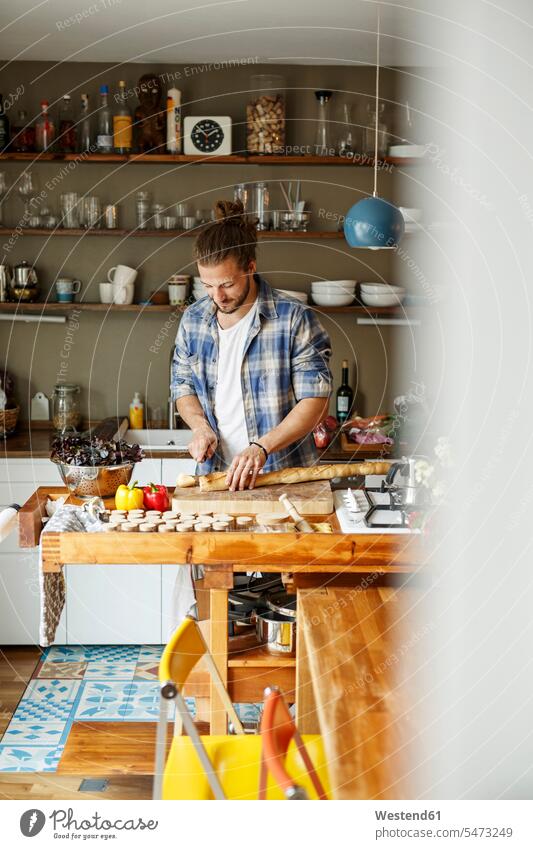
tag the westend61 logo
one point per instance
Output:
(32, 822)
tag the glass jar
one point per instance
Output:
(66, 413)
(322, 136)
(260, 204)
(142, 203)
(265, 115)
(370, 132)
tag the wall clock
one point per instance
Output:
(208, 135)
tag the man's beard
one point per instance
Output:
(239, 303)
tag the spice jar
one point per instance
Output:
(265, 115)
(66, 413)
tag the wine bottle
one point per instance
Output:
(344, 397)
(45, 130)
(104, 139)
(67, 128)
(84, 126)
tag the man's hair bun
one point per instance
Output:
(231, 234)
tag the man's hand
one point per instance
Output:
(203, 443)
(245, 467)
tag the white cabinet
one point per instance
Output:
(19, 567)
(19, 599)
(105, 603)
(147, 471)
(115, 604)
(172, 468)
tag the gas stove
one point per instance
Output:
(369, 510)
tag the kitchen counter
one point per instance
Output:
(34, 441)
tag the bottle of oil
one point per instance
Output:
(122, 123)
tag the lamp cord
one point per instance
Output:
(376, 117)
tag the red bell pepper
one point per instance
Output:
(156, 497)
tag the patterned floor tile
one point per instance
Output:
(147, 671)
(113, 671)
(248, 712)
(28, 733)
(150, 654)
(51, 690)
(62, 669)
(53, 654)
(103, 700)
(29, 758)
(143, 703)
(113, 654)
(40, 710)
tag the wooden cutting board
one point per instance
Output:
(311, 498)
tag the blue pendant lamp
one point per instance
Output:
(373, 222)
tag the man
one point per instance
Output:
(250, 373)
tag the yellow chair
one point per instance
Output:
(221, 766)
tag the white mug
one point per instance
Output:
(106, 293)
(123, 294)
(123, 278)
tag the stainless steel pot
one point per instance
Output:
(24, 283)
(276, 632)
(24, 274)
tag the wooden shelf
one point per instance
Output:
(232, 159)
(54, 307)
(308, 235)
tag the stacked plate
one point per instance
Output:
(381, 294)
(300, 296)
(333, 293)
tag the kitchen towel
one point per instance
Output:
(66, 518)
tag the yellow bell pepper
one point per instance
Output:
(129, 497)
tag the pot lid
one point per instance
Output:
(283, 602)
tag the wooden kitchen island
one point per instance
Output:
(340, 563)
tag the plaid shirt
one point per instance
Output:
(286, 356)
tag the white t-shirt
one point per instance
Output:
(229, 405)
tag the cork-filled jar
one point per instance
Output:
(265, 115)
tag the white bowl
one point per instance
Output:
(391, 299)
(344, 284)
(300, 296)
(381, 289)
(328, 299)
(333, 288)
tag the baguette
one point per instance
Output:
(216, 481)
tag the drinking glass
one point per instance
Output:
(91, 212)
(26, 190)
(70, 212)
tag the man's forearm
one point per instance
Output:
(301, 420)
(190, 410)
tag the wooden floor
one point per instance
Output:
(89, 742)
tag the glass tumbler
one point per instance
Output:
(70, 211)
(91, 212)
